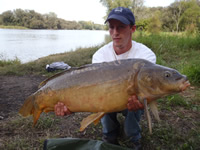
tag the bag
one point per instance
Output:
(57, 66)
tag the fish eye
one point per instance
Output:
(167, 74)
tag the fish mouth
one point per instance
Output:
(184, 86)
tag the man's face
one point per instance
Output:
(120, 33)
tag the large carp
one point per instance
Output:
(105, 87)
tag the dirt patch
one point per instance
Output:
(14, 90)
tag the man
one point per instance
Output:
(121, 24)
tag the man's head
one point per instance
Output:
(121, 23)
(122, 14)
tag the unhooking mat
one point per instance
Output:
(79, 144)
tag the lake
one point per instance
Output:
(29, 45)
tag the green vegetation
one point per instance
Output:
(12, 27)
(29, 137)
(33, 20)
(182, 15)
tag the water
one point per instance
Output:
(29, 45)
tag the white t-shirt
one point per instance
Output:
(138, 50)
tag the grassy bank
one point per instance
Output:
(12, 27)
(180, 125)
(74, 58)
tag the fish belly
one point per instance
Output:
(104, 97)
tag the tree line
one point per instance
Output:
(33, 20)
(182, 15)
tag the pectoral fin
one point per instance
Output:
(91, 118)
(154, 109)
(148, 116)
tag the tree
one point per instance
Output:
(138, 9)
(176, 9)
(51, 20)
(34, 20)
(1, 20)
(19, 14)
(191, 17)
(142, 24)
(155, 24)
(134, 5)
(8, 18)
(168, 23)
(36, 24)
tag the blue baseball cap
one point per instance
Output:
(122, 14)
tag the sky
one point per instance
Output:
(72, 10)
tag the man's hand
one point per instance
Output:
(60, 109)
(134, 104)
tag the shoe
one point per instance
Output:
(137, 145)
(110, 140)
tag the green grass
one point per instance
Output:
(168, 137)
(10, 67)
(12, 27)
(25, 136)
(192, 69)
(177, 100)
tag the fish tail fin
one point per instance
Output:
(36, 116)
(28, 107)
(93, 118)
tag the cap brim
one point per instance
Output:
(120, 18)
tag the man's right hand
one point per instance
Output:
(60, 109)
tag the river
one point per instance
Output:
(29, 45)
